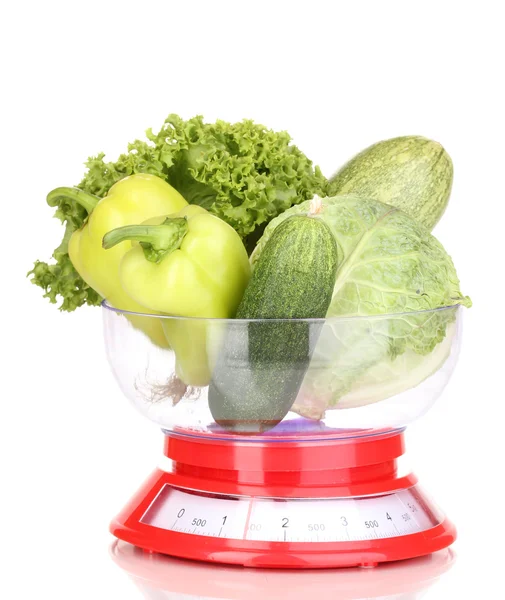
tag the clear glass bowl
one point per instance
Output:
(275, 379)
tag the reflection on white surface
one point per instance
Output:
(161, 577)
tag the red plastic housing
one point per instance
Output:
(319, 468)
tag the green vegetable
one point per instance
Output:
(262, 364)
(390, 264)
(190, 264)
(396, 374)
(129, 201)
(352, 366)
(411, 173)
(242, 172)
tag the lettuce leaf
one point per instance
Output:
(243, 173)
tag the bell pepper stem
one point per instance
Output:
(87, 201)
(157, 240)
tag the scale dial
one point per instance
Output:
(292, 520)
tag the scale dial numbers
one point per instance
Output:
(340, 520)
(184, 512)
(291, 520)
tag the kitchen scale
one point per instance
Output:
(325, 487)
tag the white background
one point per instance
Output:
(80, 77)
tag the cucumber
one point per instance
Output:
(411, 173)
(262, 363)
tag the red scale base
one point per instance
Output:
(318, 469)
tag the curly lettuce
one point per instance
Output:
(242, 172)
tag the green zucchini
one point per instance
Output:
(262, 363)
(411, 173)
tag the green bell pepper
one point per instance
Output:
(190, 264)
(130, 200)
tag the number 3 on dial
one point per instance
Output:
(344, 522)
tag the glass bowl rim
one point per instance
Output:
(106, 306)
